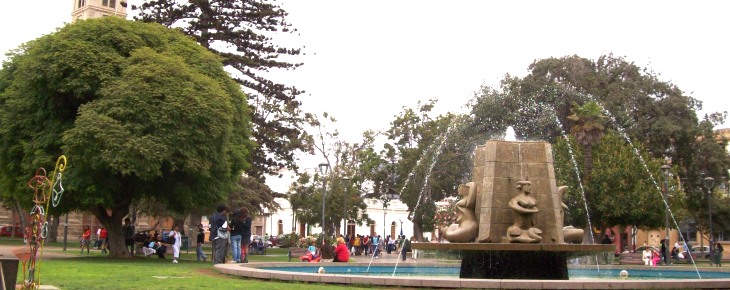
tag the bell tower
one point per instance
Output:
(87, 9)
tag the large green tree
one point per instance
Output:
(140, 111)
(242, 33)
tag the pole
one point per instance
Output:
(324, 192)
(709, 209)
(666, 221)
(344, 214)
(708, 182)
(65, 232)
(384, 207)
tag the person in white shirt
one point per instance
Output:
(175, 234)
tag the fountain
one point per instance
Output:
(511, 217)
(509, 235)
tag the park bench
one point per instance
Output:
(296, 253)
(631, 260)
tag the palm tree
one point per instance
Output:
(588, 129)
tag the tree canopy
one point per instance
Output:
(141, 112)
(242, 34)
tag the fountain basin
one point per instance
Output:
(264, 271)
(515, 260)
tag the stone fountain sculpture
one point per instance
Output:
(510, 217)
(466, 228)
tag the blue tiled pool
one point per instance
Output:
(447, 271)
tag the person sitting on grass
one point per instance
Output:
(311, 256)
(341, 252)
(258, 246)
(149, 249)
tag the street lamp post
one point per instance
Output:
(324, 169)
(709, 182)
(666, 171)
(346, 181)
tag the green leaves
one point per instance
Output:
(142, 111)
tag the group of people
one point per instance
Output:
(341, 252)
(357, 245)
(375, 245)
(100, 243)
(237, 231)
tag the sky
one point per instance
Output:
(366, 60)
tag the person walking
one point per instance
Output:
(176, 242)
(200, 242)
(103, 238)
(246, 233)
(219, 234)
(85, 239)
(236, 228)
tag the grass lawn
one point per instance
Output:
(97, 271)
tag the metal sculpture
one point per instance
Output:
(46, 191)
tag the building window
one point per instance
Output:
(109, 3)
(280, 228)
(82, 3)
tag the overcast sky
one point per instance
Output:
(367, 59)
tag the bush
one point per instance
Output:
(289, 240)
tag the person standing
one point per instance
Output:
(366, 245)
(405, 248)
(175, 235)
(128, 229)
(236, 229)
(97, 240)
(718, 254)
(85, 239)
(665, 254)
(200, 242)
(220, 242)
(102, 237)
(374, 241)
(246, 233)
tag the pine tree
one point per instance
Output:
(240, 32)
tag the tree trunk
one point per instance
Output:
(179, 222)
(113, 224)
(587, 163)
(418, 228)
(53, 231)
(21, 216)
(195, 219)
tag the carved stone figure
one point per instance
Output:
(466, 228)
(523, 230)
(571, 235)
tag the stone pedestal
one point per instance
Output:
(498, 165)
(514, 265)
(515, 260)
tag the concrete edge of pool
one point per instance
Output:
(252, 270)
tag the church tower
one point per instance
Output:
(87, 9)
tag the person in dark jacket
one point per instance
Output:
(200, 242)
(236, 229)
(220, 244)
(245, 233)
